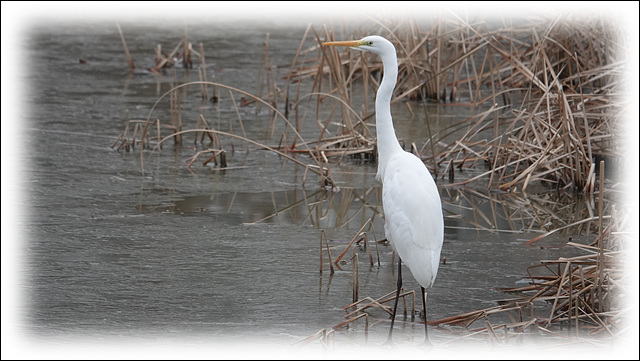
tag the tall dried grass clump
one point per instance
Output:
(569, 115)
(546, 93)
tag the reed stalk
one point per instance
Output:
(126, 49)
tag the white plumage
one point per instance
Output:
(416, 235)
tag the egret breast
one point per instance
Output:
(413, 215)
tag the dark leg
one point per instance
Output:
(426, 329)
(395, 306)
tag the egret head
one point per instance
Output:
(373, 44)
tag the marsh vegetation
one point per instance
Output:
(543, 118)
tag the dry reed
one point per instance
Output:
(546, 93)
(552, 110)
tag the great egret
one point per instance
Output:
(410, 200)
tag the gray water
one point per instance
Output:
(208, 258)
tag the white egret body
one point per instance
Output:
(410, 200)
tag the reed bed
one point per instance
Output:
(546, 93)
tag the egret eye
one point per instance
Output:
(370, 43)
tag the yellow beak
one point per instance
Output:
(352, 43)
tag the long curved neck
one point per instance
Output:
(387, 141)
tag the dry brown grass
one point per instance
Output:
(546, 93)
